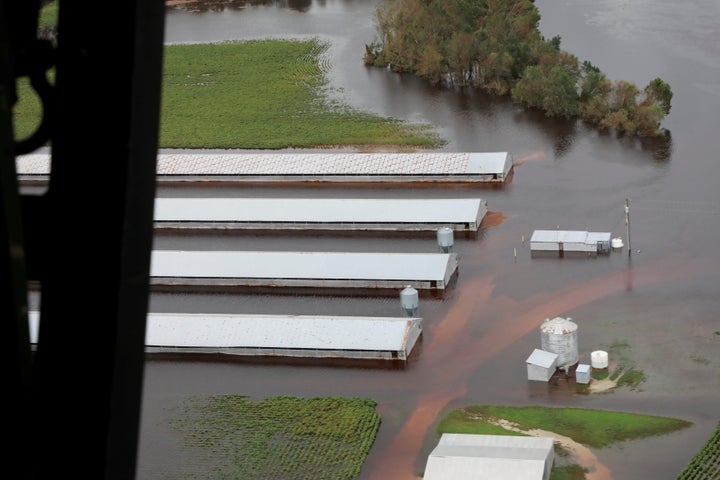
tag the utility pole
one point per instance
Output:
(627, 224)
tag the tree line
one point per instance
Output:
(496, 45)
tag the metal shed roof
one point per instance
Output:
(491, 457)
(570, 241)
(570, 236)
(334, 213)
(595, 237)
(558, 236)
(583, 368)
(542, 358)
(303, 269)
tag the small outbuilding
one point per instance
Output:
(582, 373)
(541, 365)
(490, 457)
(569, 241)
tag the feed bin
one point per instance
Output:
(559, 335)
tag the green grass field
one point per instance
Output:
(259, 94)
(591, 428)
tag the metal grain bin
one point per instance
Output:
(559, 335)
(409, 301)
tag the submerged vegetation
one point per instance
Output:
(259, 94)
(266, 94)
(232, 436)
(278, 437)
(705, 465)
(496, 46)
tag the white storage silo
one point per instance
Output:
(445, 239)
(409, 301)
(559, 336)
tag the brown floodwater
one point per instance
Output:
(653, 304)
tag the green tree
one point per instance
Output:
(430, 65)
(460, 57)
(552, 90)
(646, 119)
(595, 90)
(495, 45)
(657, 92)
(551, 86)
(624, 96)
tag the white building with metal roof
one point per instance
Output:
(490, 457)
(298, 336)
(444, 167)
(417, 214)
(541, 365)
(423, 271)
(570, 241)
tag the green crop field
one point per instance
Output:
(276, 438)
(705, 465)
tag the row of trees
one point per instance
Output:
(496, 45)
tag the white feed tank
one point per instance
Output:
(445, 239)
(599, 359)
(409, 301)
(559, 336)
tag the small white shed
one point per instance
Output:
(541, 365)
(490, 457)
(582, 373)
(570, 241)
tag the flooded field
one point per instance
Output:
(653, 304)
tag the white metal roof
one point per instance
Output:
(497, 164)
(331, 163)
(306, 332)
(489, 457)
(376, 211)
(492, 162)
(558, 326)
(278, 331)
(569, 236)
(559, 236)
(595, 237)
(582, 368)
(315, 268)
(33, 164)
(542, 358)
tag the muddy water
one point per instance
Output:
(656, 308)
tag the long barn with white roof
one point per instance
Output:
(277, 336)
(391, 214)
(427, 167)
(327, 270)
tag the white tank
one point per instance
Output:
(559, 336)
(599, 359)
